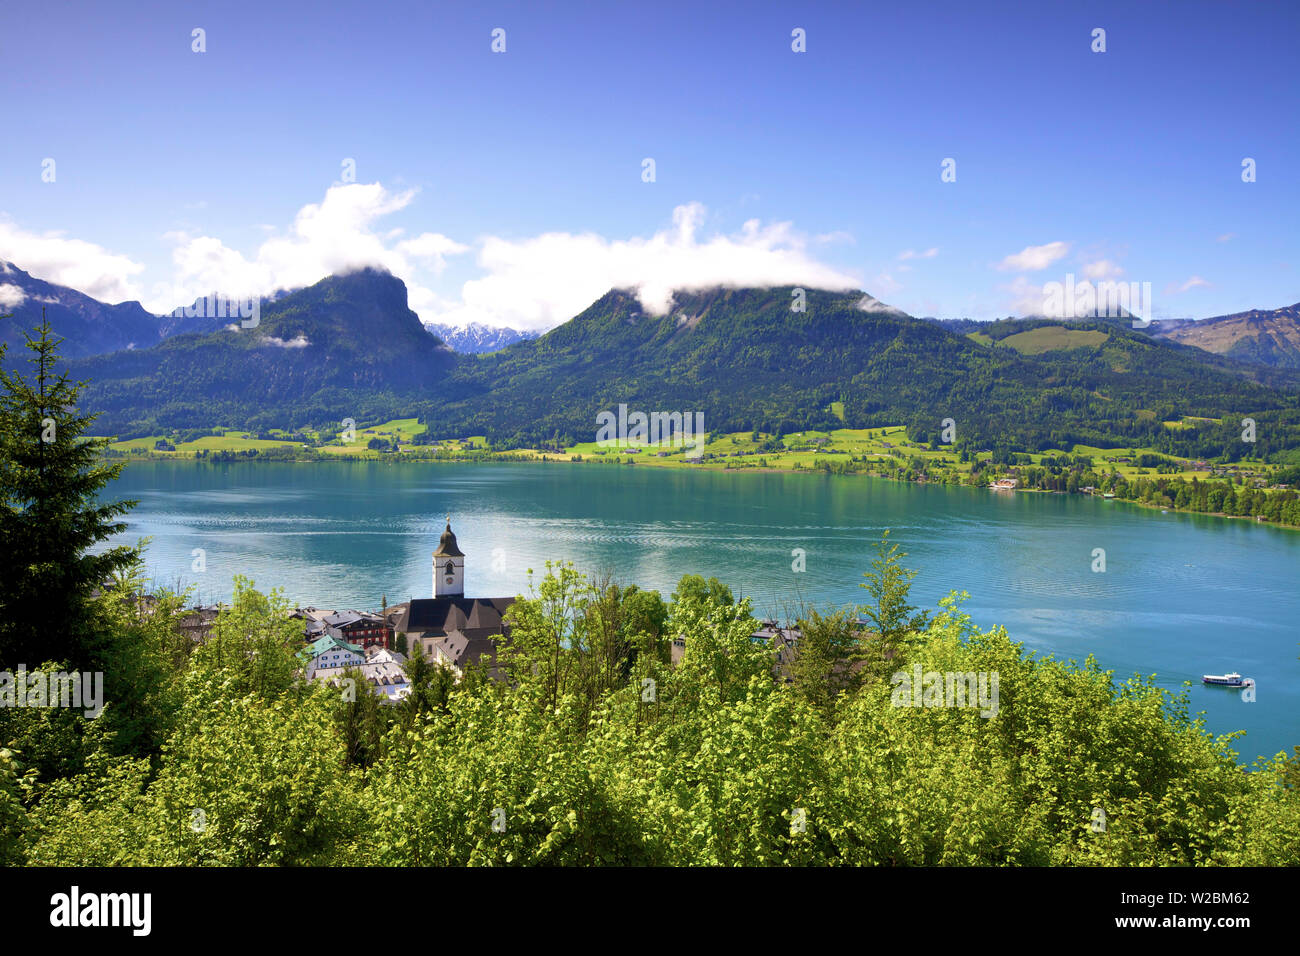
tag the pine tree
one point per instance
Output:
(51, 517)
(431, 684)
(360, 721)
(888, 582)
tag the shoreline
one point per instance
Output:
(509, 458)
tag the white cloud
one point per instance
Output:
(433, 247)
(84, 266)
(911, 254)
(297, 342)
(869, 303)
(11, 296)
(1195, 282)
(532, 283)
(333, 236)
(1227, 237)
(885, 284)
(1025, 298)
(1102, 269)
(540, 282)
(1033, 258)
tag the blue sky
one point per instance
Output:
(506, 187)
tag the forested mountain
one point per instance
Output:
(350, 347)
(347, 346)
(747, 361)
(86, 325)
(1261, 336)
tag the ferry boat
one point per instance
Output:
(1227, 680)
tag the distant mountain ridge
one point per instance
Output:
(199, 316)
(476, 338)
(746, 360)
(1261, 336)
(87, 326)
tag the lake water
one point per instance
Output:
(1181, 595)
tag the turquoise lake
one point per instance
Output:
(1182, 595)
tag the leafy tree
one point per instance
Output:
(431, 685)
(544, 628)
(888, 583)
(721, 653)
(693, 587)
(254, 646)
(823, 666)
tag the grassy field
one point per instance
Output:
(403, 429)
(884, 450)
(230, 441)
(1050, 338)
(136, 444)
(799, 450)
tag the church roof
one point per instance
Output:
(446, 614)
(463, 648)
(447, 545)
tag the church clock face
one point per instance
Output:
(450, 571)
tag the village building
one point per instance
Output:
(450, 629)
(196, 623)
(375, 654)
(330, 654)
(358, 627)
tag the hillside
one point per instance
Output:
(746, 361)
(347, 346)
(1261, 337)
(87, 326)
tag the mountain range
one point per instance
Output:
(346, 343)
(349, 346)
(747, 361)
(1264, 337)
(476, 338)
(88, 327)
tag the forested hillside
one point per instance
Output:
(747, 361)
(349, 347)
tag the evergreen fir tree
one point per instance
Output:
(51, 516)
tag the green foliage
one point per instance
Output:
(51, 516)
(888, 583)
(360, 720)
(577, 761)
(693, 587)
(721, 653)
(431, 685)
(829, 648)
(12, 813)
(254, 646)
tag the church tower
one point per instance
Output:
(448, 566)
